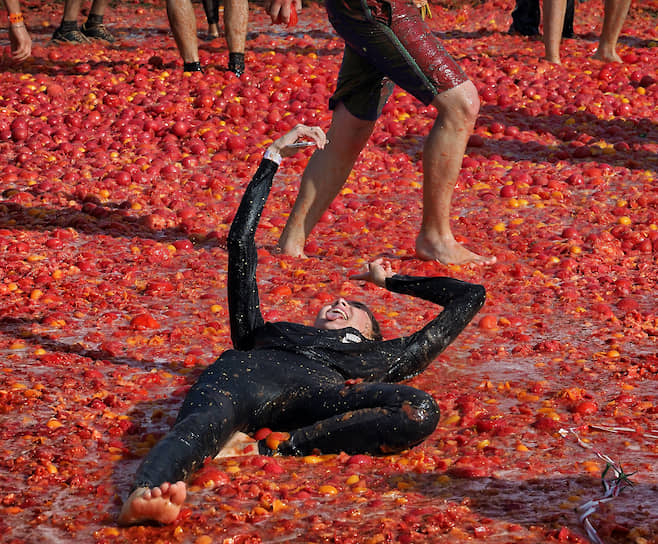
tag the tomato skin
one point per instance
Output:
(488, 322)
(586, 408)
(360, 460)
(293, 17)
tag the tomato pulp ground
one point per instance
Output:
(120, 176)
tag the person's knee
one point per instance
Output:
(461, 104)
(422, 414)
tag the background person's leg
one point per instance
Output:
(211, 9)
(71, 10)
(236, 20)
(613, 21)
(68, 31)
(182, 21)
(525, 18)
(94, 28)
(554, 11)
(567, 27)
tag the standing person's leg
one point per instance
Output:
(433, 76)
(442, 158)
(567, 27)
(554, 11)
(615, 12)
(68, 31)
(365, 418)
(71, 10)
(525, 18)
(325, 174)
(182, 21)
(211, 7)
(236, 19)
(394, 42)
(94, 28)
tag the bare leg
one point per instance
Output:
(98, 7)
(211, 7)
(213, 31)
(183, 25)
(554, 11)
(236, 18)
(615, 12)
(71, 10)
(160, 504)
(442, 159)
(324, 176)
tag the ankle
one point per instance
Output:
(68, 26)
(192, 66)
(94, 20)
(236, 63)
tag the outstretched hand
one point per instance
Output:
(285, 147)
(20, 42)
(377, 272)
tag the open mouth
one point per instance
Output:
(336, 313)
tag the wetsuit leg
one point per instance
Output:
(363, 418)
(206, 421)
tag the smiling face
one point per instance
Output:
(340, 314)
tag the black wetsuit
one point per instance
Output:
(292, 377)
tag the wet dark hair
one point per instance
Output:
(376, 330)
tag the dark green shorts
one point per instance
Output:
(387, 40)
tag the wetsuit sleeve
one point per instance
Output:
(243, 301)
(460, 300)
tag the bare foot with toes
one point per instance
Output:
(159, 504)
(449, 251)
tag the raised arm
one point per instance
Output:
(243, 300)
(460, 300)
(402, 358)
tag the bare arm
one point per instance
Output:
(19, 38)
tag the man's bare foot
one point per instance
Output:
(213, 32)
(239, 444)
(158, 504)
(448, 252)
(606, 56)
(287, 248)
